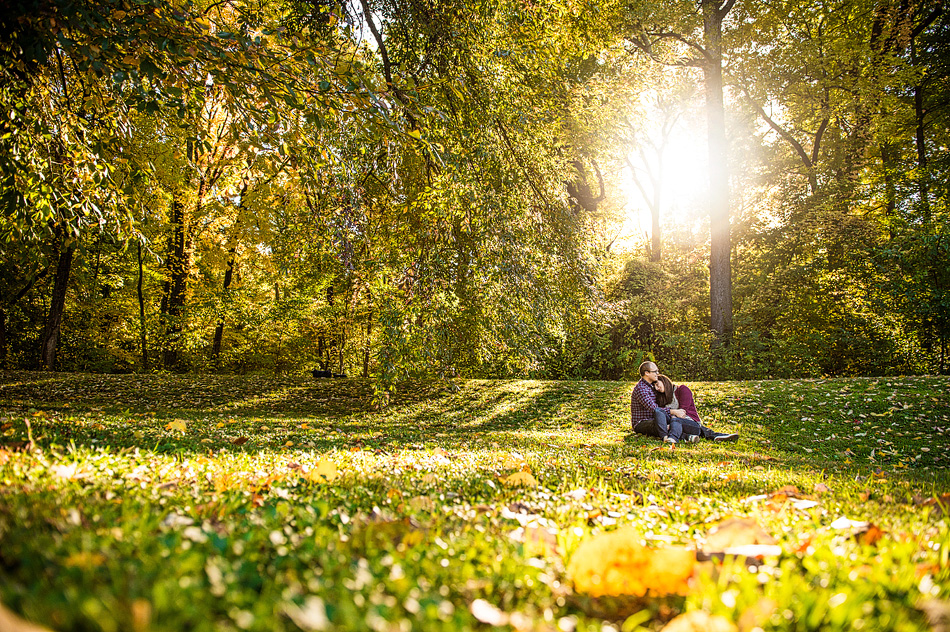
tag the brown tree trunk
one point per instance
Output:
(921, 144)
(3, 338)
(54, 319)
(369, 331)
(219, 329)
(176, 284)
(720, 266)
(141, 294)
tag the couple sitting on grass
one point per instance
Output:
(657, 409)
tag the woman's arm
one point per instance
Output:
(685, 397)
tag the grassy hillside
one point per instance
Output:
(247, 503)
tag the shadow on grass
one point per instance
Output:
(339, 413)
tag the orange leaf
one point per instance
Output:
(869, 536)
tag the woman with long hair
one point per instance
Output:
(681, 397)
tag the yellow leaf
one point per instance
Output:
(176, 425)
(10, 622)
(85, 560)
(324, 471)
(220, 424)
(289, 444)
(700, 621)
(617, 564)
(422, 503)
(415, 134)
(520, 479)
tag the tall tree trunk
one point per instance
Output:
(219, 329)
(3, 338)
(369, 331)
(888, 165)
(228, 275)
(141, 294)
(921, 144)
(720, 267)
(54, 319)
(173, 300)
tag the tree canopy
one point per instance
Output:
(408, 188)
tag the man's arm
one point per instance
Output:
(645, 397)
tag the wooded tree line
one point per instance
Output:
(406, 188)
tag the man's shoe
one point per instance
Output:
(669, 440)
(730, 438)
(693, 438)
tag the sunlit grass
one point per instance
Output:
(160, 502)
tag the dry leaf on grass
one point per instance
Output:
(733, 532)
(616, 564)
(699, 621)
(9, 622)
(324, 472)
(487, 613)
(520, 479)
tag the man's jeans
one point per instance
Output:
(665, 425)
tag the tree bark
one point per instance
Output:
(3, 338)
(54, 319)
(176, 285)
(219, 329)
(141, 294)
(920, 142)
(720, 267)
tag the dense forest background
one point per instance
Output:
(475, 188)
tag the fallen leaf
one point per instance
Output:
(869, 536)
(325, 471)
(176, 425)
(85, 560)
(736, 532)
(520, 479)
(755, 617)
(847, 523)
(487, 613)
(10, 622)
(239, 441)
(422, 503)
(616, 563)
(700, 621)
(538, 541)
(311, 616)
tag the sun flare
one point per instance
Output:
(681, 173)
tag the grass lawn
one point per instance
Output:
(134, 503)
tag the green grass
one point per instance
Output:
(245, 503)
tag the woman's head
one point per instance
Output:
(664, 390)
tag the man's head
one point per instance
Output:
(649, 371)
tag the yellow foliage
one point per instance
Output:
(617, 564)
(523, 479)
(324, 471)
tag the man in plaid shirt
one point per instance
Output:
(649, 419)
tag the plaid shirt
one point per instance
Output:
(642, 403)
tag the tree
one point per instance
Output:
(707, 54)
